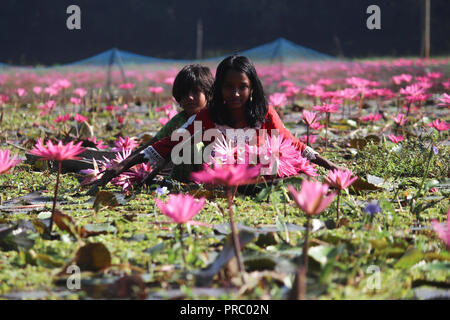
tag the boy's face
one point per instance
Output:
(193, 102)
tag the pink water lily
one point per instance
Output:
(76, 101)
(309, 117)
(400, 119)
(278, 99)
(443, 233)
(282, 158)
(181, 208)
(7, 162)
(402, 78)
(127, 144)
(127, 86)
(327, 108)
(37, 90)
(81, 92)
(62, 118)
(445, 99)
(340, 179)
(439, 125)
(156, 90)
(373, 117)
(227, 175)
(80, 118)
(21, 92)
(313, 197)
(395, 139)
(58, 152)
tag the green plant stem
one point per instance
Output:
(307, 135)
(180, 229)
(303, 269)
(326, 130)
(55, 196)
(419, 192)
(234, 234)
(337, 207)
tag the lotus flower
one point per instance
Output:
(63, 118)
(283, 158)
(402, 78)
(37, 90)
(127, 86)
(327, 108)
(80, 118)
(181, 208)
(7, 163)
(58, 152)
(76, 101)
(400, 119)
(340, 179)
(98, 143)
(371, 117)
(127, 144)
(21, 92)
(278, 99)
(309, 117)
(445, 100)
(443, 233)
(439, 125)
(156, 90)
(313, 197)
(227, 175)
(81, 92)
(395, 139)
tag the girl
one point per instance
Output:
(192, 89)
(238, 102)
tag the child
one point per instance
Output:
(192, 89)
(238, 102)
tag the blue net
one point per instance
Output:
(278, 51)
(121, 57)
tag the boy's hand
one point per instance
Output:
(114, 171)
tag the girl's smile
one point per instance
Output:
(236, 89)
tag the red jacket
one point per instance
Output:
(272, 121)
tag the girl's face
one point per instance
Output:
(236, 89)
(193, 102)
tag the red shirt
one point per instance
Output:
(271, 121)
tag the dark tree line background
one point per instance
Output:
(35, 32)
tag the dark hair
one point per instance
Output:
(192, 77)
(255, 110)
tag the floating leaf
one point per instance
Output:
(105, 198)
(65, 222)
(204, 277)
(93, 257)
(320, 253)
(99, 228)
(410, 258)
(361, 185)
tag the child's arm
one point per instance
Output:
(307, 152)
(177, 121)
